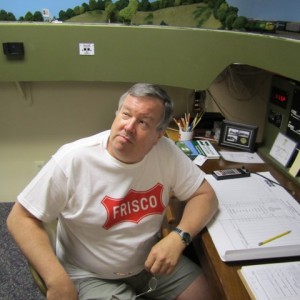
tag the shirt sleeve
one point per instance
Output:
(186, 175)
(46, 195)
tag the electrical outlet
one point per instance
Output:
(86, 49)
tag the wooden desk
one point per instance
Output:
(222, 276)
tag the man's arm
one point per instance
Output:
(198, 211)
(33, 240)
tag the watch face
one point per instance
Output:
(186, 237)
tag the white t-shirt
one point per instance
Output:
(109, 212)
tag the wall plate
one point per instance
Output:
(86, 49)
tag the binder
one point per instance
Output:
(194, 148)
(256, 219)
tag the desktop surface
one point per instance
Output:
(223, 276)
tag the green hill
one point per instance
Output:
(194, 15)
(95, 16)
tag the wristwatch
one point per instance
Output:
(185, 236)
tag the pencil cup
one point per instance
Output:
(185, 135)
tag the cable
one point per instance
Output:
(275, 182)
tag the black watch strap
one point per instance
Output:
(185, 236)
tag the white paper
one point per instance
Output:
(252, 210)
(200, 160)
(241, 157)
(276, 281)
(283, 149)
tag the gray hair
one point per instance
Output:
(153, 91)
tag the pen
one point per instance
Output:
(274, 238)
(184, 123)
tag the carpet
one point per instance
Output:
(15, 279)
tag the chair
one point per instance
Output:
(51, 228)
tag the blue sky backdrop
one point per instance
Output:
(273, 10)
(284, 10)
(20, 7)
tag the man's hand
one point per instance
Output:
(165, 255)
(198, 211)
(62, 290)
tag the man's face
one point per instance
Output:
(134, 130)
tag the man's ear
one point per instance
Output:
(161, 133)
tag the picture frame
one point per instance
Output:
(283, 149)
(237, 135)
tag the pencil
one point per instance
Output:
(274, 238)
(177, 123)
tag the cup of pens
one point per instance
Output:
(185, 135)
(186, 126)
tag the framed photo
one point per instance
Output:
(236, 135)
(283, 149)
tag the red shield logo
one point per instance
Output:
(134, 206)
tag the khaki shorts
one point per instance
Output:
(168, 286)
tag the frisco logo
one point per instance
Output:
(134, 206)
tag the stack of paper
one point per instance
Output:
(272, 281)
(256, 219)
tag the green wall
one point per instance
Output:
(182, 57)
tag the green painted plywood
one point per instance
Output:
(183, 57)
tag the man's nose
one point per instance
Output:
(130, 125)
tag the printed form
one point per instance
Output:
(276, 281)
(256, 219)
